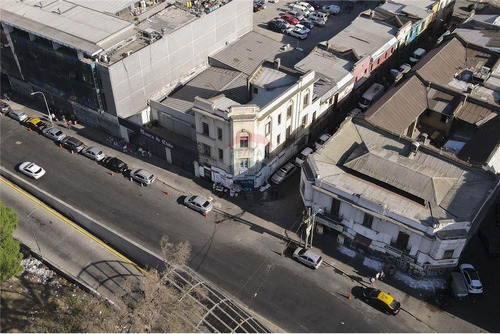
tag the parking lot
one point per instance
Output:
(334, 24)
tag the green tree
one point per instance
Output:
(10, 256)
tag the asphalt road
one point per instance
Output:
(244, 262)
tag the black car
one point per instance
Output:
(115, 164)
(72, 144)
(276, 26)
(307, 23)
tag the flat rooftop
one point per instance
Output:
(364, 161)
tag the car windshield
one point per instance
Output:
(365, 101)
(207, 203)
(320, 141)
(302, 251)
(374, 293)
(476, 286)
(281, 173)
(58, 133)
(473, 275)
(39, 170)
(395, 305)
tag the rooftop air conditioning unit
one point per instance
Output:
(414, 147)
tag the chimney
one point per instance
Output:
(277, 63)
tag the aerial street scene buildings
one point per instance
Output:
(250, 165)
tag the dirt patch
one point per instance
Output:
(26, 295)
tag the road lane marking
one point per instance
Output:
(72, 224)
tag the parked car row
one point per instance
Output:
(300, 19)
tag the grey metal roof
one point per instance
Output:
(473, 113)
(399, 107)
(269, 78)
(209, 83)
(67, 23)
(487, 38)
(326, 65)
(247, 53)
(424, 4)
(367, 162)
(108, 6)
(441, 102)
(364, 36)
(408, 9)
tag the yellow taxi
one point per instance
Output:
(36, 124)
(382, 300)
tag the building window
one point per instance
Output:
(219, 133)
(268, 128)
(314, 116)
(368, 220)
(278, 139)
(444, 119)
(267, 150)
(304, 120)
(306, 99)
(244, 141)
(448, 254)
(289, 110)
(335, 210)
(206, 132)
(244, 164)
(221, 154)
(330, 101)
(288, 132)
(279, 119)
(255, 90)
(206, 150)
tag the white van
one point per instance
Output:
(302, 157)
(301, 10)
(417, 55)
(371, 95)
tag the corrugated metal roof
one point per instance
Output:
(399, 107)
(460, 191)
(212, 82)
(451, 59)
(326, 64)
(364, 36)
(473, 113)
(441, 102)
(487, 38)
(270, 78)
(247, 53)
(402, 172)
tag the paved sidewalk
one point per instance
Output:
(412, 299)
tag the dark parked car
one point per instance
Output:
(276, 26)
(72, 144)
(115, 164)
(490, 242)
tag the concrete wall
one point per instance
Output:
(130, 82)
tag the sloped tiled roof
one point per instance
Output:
(398, 108)
(473, 113)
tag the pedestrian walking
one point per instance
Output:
(382, 274)
(372, 281)
(64, 119)
(377, 276)
(68, 123)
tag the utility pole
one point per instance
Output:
(309, 222)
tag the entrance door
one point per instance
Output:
(402, 242)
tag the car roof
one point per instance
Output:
(198, 199)
(143, 172)
(288, 166)
(17, 112)
(307, 151)
(93, 149)
(35, 120)
(32, 167)
(325, 136)
(385, 297)
(310, 254)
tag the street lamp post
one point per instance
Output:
(48, 110)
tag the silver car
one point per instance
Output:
(93, 153)
(18, 115)
(307, 257)
(142, 176)
(198, 203)
(72, 144)
(53, 133)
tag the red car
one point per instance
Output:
(290, 19)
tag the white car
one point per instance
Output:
(301, 158)
(307, 257)
(318, 16)
(321, 141)
(283, 173)
(31, 169)
(53, 133)
(298, 33)
(303, 28)
(142, 176)
(471, 278)
(93, 153)
(333, 9)
(18, 115)
(319, 22)
(198, 203)
(273, 1)
(307, 5)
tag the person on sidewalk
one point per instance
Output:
(381, 274)
(377, 276)
(68, 123)
(372, 281)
